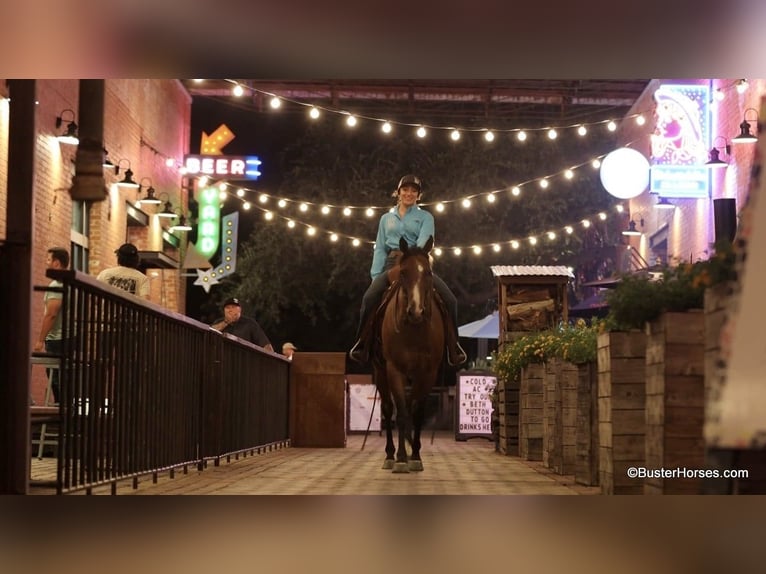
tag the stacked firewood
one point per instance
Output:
(530, 309)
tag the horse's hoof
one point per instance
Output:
(415, 465)
(401, 467)
(388, 464)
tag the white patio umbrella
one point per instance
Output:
(483, 329)
(486, 328)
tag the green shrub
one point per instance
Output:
(576, 344)
(638, 299)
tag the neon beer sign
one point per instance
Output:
(223, 166)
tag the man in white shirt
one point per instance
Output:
(126, 275)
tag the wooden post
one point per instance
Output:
(675, 400)
(621, 402)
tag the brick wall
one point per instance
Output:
(691, 225)
(145, 122)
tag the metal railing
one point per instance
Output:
(144, 389)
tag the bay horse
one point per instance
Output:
(409, 353)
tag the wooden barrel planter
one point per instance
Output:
(508, 417)
(586, 425)
(621, 409)
(531, 412)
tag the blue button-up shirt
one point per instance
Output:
(416, 226)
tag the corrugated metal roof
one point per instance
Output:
(542, 270)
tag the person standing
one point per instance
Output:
(235, 323)
(50, 339)
(405, 220)
(126, 275)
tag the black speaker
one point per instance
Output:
(725, 215)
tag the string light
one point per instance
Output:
(477, 249)
(440, 206)
(488, 132)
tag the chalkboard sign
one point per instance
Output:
(473, 405)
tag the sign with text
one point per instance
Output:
(223, 166)
(363, 407)
(680, 141)
(473, 404)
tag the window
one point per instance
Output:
(79, 236)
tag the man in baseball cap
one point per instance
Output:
(235, 323)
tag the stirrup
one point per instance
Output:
(462, 357)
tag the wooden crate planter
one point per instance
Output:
(559, 416)
(550, 381)
(586, 431)
(508, 417)
(675, 400)
(531, 412)
(716, 300)
(621, 409)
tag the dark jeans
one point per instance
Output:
(54, 347)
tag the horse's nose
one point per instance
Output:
(415, 314)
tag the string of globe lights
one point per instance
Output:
(312, 230)
(370, 211)
(719, 94)
(543, 183)
(421, 129)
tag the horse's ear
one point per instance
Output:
(403, 245)
(429, 244)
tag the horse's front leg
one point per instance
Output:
(387, 410)
(418, 409)
(396, 383)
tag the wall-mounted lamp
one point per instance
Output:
(631, 230)
(107, 163)
(70, 135)
(128, 180)
(150, 199)
(744, 129)
(715, 161)
(168, 209)
(182, 224)
(663, 203)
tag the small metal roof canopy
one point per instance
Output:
(531, 298)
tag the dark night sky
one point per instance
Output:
(264, 134)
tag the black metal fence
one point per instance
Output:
(144, 389)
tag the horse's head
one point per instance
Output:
(416, 280)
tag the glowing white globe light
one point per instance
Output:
(625, 173)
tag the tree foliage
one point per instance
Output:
(308, 289)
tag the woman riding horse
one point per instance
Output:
(405, 220)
